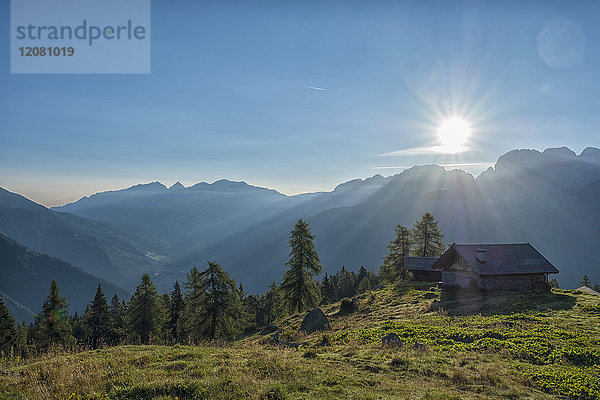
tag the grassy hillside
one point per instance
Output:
(470, 345)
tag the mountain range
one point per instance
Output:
(548, 198)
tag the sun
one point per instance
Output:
(454, 132)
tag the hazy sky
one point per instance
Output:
(235, 93)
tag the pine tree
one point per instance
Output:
(554, 283)
(597, 287)
(52, 325)
(299, 288)
(585, 281)
(393, 263)
(427, 238)
(144, 315)
(8, 333)
(98, 318)
(214, 308)
(176, 313)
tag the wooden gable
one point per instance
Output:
(461, 265)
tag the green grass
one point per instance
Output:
(501, 345)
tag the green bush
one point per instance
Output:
(347, 306)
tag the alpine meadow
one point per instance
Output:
(299, 200)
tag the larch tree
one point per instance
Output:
(144, 314)
(299, 288)
(392, 269)
(218, 310)
(98, 318)
(427, 238)
(8, 333)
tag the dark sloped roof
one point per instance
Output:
(419, 263)
(501, 259)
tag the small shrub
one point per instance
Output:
(399, 362)
(347, 306)
(581, 357)
(309, 354)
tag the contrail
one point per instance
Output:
(315, 88)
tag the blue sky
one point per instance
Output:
(228, 95)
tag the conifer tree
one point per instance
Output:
(80, 328)
(585, 281)
(427, 238)
(176, 313)
(193, 303)
(252, 310)
(270, 305)
(21, 339)
(98, 318)
(364, 285)
(298, 286)
(144, 314)
(346, 282)
(328, 291)
(362, 274)
(8, 333)
(241, 292)
(118, 310)
(596, 287)
(215, 305)
(393, 263)
(52, 325)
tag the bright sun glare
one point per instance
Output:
(454, 132)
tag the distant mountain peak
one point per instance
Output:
(177, 186)
(152, 186)
(526, 158)
(590, 154)
(225, 185)
(375, 180)
(561, 152)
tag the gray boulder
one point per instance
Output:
(315, 321)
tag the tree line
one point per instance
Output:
(210, 305)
